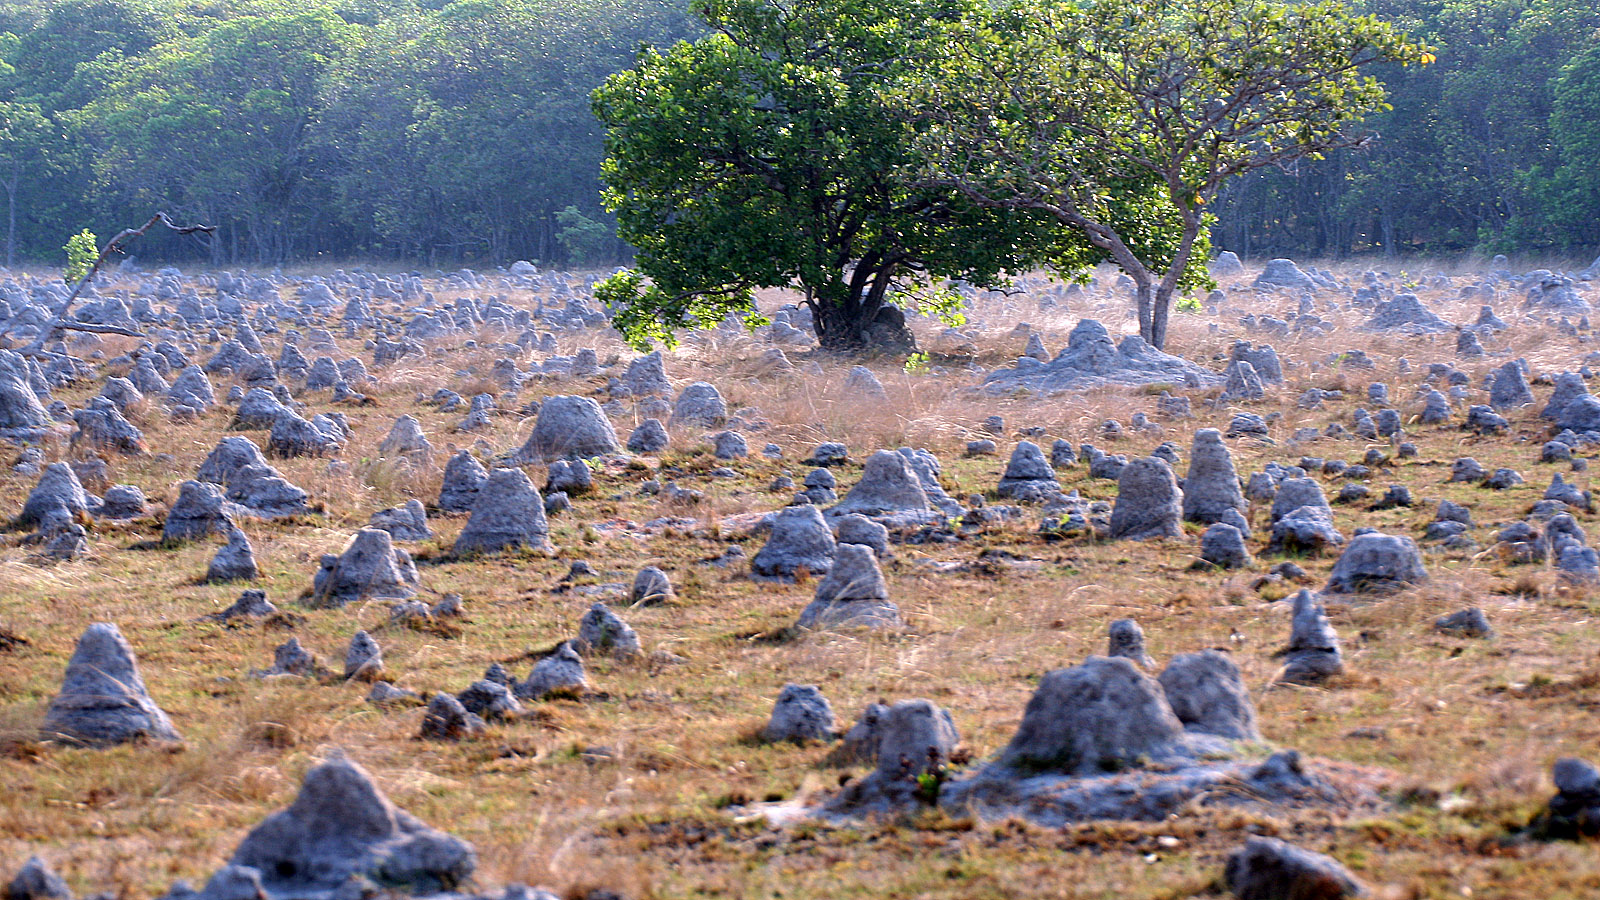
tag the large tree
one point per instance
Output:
(1062, 106)
(766, 155)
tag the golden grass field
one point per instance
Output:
(1464, 729)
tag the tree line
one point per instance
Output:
(427, 132)
(1492, 149)
(462, 133)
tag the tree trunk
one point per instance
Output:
(844, 318)
(873, 301)
(1144, 301)
(11, 223)
(838, 327)
(1162, 302)
(1143, 279)
(836, 309)
(1159, 315)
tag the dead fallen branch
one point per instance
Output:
(62, 323)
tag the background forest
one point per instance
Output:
(461, 133)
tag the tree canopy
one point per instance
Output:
(444, 133)
(207, 130)
(25, 137)
(768, 154)
(434, 132)
(1470, 157)
(1070, 108)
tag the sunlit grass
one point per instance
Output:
(1466, 744)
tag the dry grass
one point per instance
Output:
(1467, 728)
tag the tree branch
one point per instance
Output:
(62, 323)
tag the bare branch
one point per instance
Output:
(115, 245)
(99, 329)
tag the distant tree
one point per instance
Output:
(1575, 126)
(586, 241)
(220, 127)
(765, 155)
(445, 131)
(56, 60)
(1468, 159)
(25, 144)
(1495, 113)
(1071, 106)
(468, 130)
(50, 57)
(19, 16)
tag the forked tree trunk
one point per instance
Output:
(1161, 302)
(1144, 301)
(846, 325)
(837, 329)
